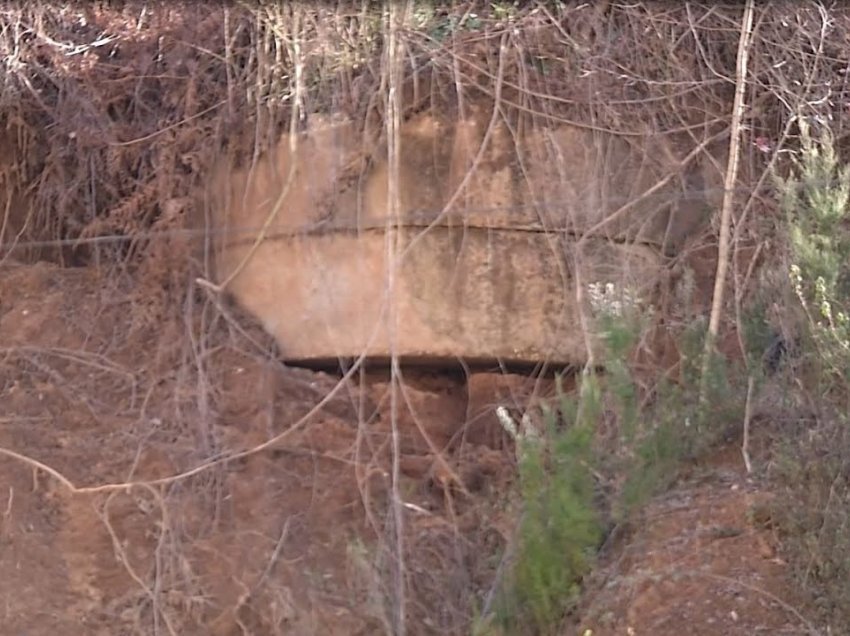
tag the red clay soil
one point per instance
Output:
(288, 540)
(702, 561)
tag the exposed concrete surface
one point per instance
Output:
(458, 293)
(488, 238)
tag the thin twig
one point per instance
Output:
(748, 414)
(728, 198)
(394, 255)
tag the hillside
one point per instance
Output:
(423, 318)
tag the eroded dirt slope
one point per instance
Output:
(288, 540)
(283, 541)
(703, 560)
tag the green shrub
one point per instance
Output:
(812, 469)
(572, 486)
(559, 528)
(815, 198)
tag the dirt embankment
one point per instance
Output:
(271, 515)
(287, 540)
(270, 542)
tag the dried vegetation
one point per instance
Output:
(112, 118)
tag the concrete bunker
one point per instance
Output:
(490, 242)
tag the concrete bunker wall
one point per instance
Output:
(487, 237)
